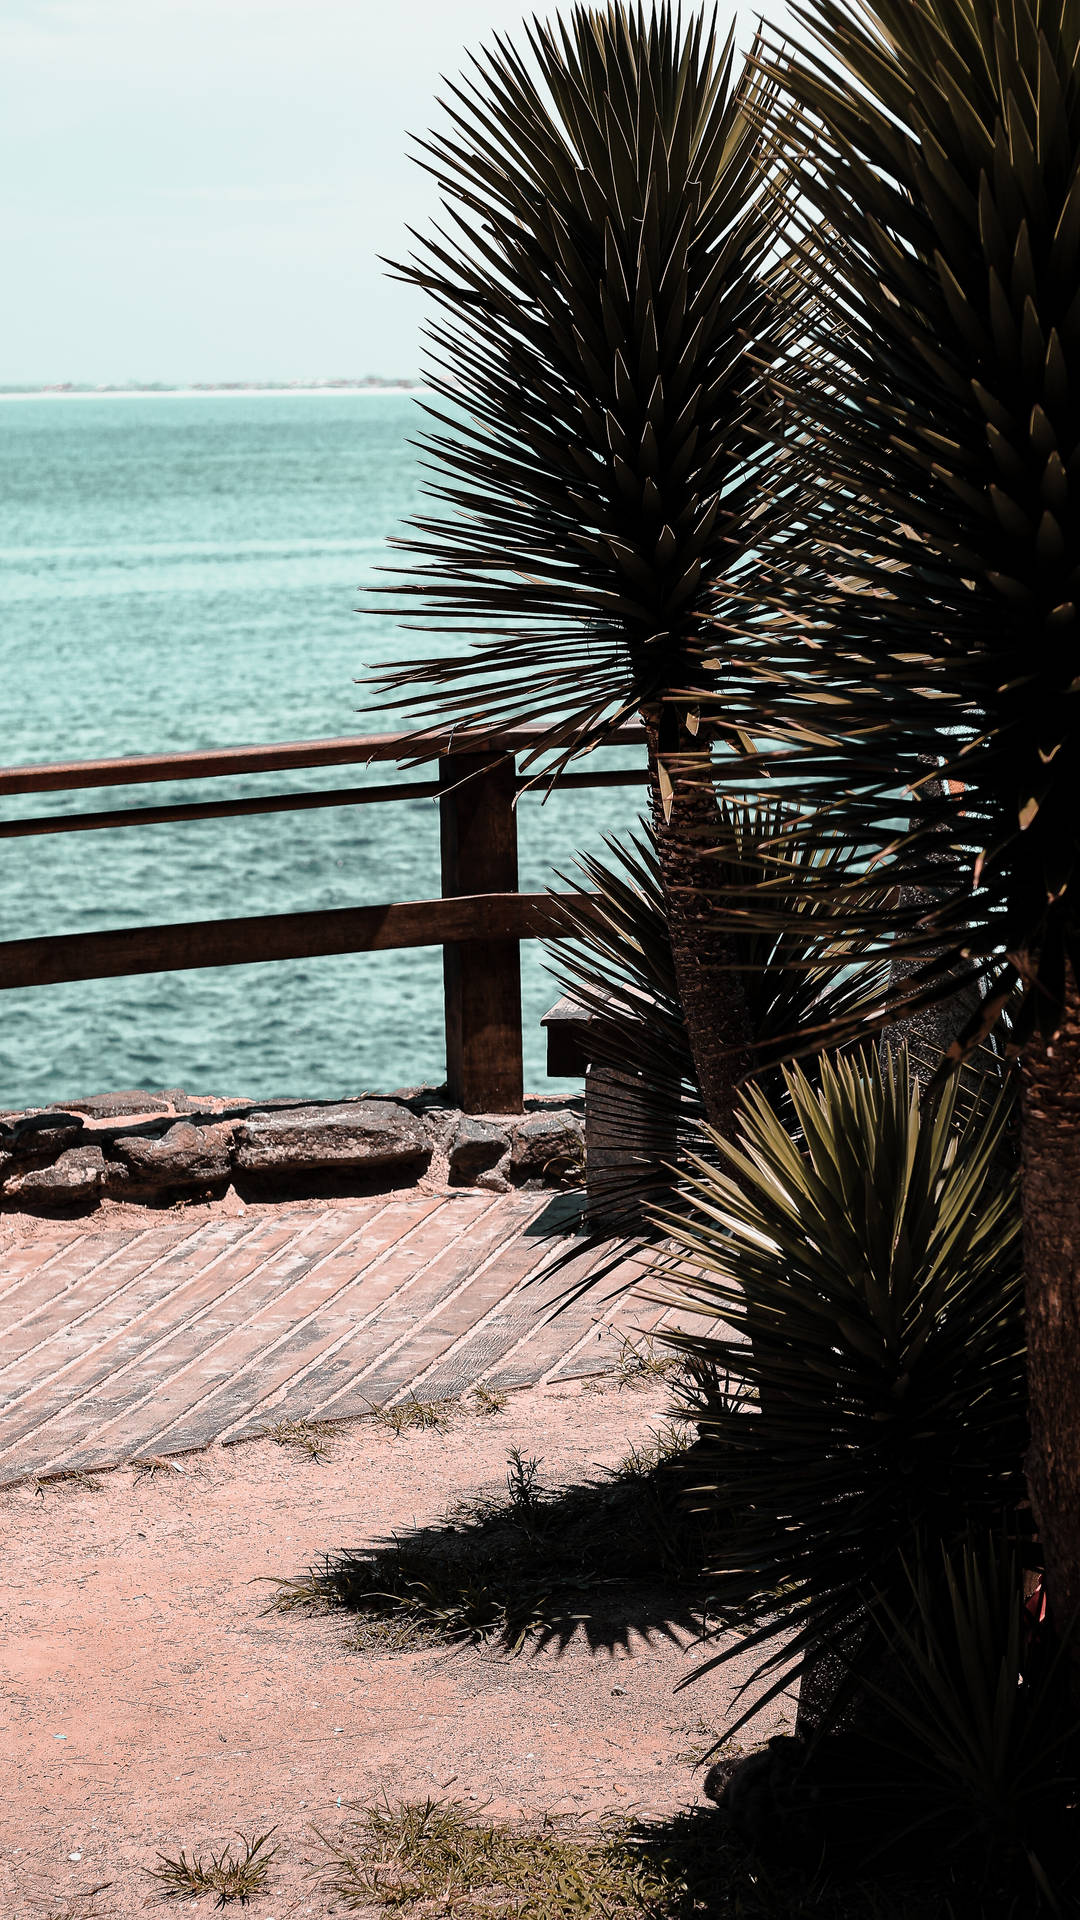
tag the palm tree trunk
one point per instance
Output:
(1050, 1136)
(713, 996)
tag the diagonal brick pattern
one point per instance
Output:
(150, 1341)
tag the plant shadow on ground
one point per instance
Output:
(435, 1857)
(608, 1559)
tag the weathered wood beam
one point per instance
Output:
(214, 809)
(212, 762)
(481, 980)
(278, 936)
(110, 817)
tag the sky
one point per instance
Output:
(201, 189)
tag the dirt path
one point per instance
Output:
(151, 1703)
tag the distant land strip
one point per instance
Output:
(371, 382)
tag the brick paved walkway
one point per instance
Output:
(148, 1341)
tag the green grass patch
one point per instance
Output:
(433, 1858)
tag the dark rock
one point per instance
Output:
(420, 1099)
(367, 1134)
(180, 1102)
(78, 1174)
(115, 1106)
(41, 1136)
(496, 1179)
(476, 1147)
(548, 1147)
(183, 1156)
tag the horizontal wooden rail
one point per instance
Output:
(282, 803)
(478, 922)
(280, 936)
(210, 763)
(214, 809)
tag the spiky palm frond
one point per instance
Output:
(644, 1103)
(933, 150)
(869, 1283)
(974, 1708)
(619, 964)
(599, 466)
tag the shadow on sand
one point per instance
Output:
(609, 1559)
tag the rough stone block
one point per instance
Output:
(184, 1156)
(547, 1147)
(116, 1106)
(475, 1148)
(497, 1178)
(78, 1174)
(40, 1136)
(365, 1134)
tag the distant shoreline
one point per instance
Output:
(204, 392)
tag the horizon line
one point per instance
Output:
(79, 389)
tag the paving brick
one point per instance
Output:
(21, 1260)
(104, 1297)
(627, 1316)
(420, 1291)
(153, 1296)
(157, 1340)
(320, 1310)
(158, 1369)
(464, 1284)
(550, 1334)
(52, 1285)
(334, 1339)
(508, 1324)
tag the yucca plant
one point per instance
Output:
(865, 1265)
(932, 207)
(616, 960)
(597, 447)
(975, 1720)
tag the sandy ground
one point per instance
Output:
(150, 1701)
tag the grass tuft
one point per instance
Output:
(642, 1363)
(153, 1464)
(433, 1858)
(310, 1436)
(228, 1874)
(67, 1476)
(485, 1400)
(413, 1415)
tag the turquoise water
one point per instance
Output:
(179, 572)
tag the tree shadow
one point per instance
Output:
(605, 1561)
(705, 1869)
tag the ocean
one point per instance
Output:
(184, 571)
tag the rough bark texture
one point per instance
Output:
(713, 998)
(930, 1031)
(1051, 1195)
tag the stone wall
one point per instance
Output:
(148, 1147)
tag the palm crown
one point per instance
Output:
(598, 472)
(934, 151)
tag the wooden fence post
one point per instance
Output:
(482, 979)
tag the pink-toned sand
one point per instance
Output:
(150, 1701)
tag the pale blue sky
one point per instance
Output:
(200, 189)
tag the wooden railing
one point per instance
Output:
(478, 921)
